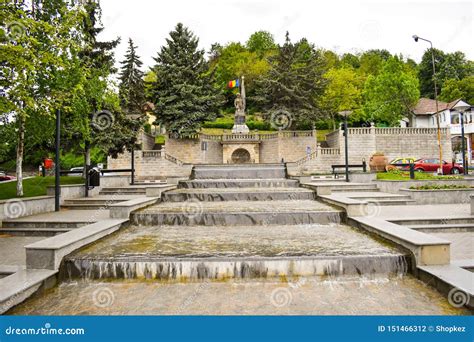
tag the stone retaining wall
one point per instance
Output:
(447, 196)
(19, 207)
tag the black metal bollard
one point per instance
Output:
(412, 171)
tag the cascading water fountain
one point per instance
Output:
(240, 227)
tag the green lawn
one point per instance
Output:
(34, 186)
(321, 134)
(160, 139)
(405, 176)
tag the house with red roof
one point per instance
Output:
(427, 111)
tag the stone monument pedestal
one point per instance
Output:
(240, 129)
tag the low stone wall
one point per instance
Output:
(446, 196)
(395, 187)
(147, 141)
(78, 190)
(150, 165)
(19, 207)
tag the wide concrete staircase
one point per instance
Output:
(360, 191)
(236, 221)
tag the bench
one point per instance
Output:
(336, 168)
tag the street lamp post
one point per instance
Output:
(416, 38)
(345, 114)
(461, 108)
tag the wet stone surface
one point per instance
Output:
(240, 207)
(235, 241)
(303, 296)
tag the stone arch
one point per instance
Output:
(240, 156)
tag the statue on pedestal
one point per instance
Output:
(239, 118)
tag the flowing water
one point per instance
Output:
(345, 295)
(246, 250)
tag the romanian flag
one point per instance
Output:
(233, 84)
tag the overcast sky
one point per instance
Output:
(340, 25)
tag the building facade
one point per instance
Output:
(425, 117)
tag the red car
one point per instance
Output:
(4, 177)
(432, 165)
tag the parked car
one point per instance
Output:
(398, 162)
(4, 177)
(79, 168)
(432, 165)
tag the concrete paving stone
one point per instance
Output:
(462, 244)
(12, 251)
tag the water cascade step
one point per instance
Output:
(236, 221)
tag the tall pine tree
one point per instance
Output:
(183, 92)
(293, 84)
(131, 88)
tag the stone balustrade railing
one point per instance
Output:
(409, 130)
(246, 137)
(391, 131)
(158, 154)
(240, 137)
(315, 154)
(153, 153)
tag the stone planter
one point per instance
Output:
(445, 196)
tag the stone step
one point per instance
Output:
(34, 231)
(42, 224)
(120, 192)
(374, 196)
(126, 190)
(432, 220)
(234, 268)
(233, 171)
(95, 201)
(443, 228)
(86, 206)
(391, 201)
(183, 218)
(355, 188)
(238, 183)
(238, 194)
(244, 251)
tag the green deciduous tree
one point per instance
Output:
(391, 94)
(448, 66)
(37, 52)
(344, 91)
(183, 93)
(261, 42)
(458, 89)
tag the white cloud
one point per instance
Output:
(344, 26)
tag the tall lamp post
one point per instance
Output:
(345, 114)
(416, 38)
(461, 108)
